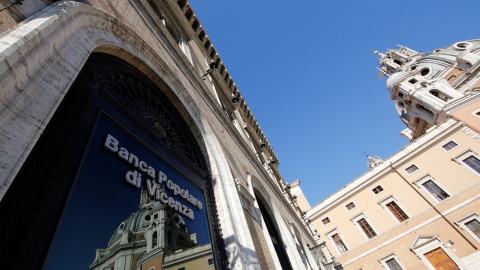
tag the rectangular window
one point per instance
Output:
(182, 268)
(342, 248)
(449, 146)
(350, 206)
(397, 211)
(413, 81)
(377, 189)
(436, 191)
(367, 229)
(474, 226)
(411, 169)
(325, 221)
(473, 163)
(393, 264)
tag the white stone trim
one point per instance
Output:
(475, 113)
(348, 211)
(447, 142)
(472, 133)
(390, 198)
(410, 165)
(464, 155)
(461, 223)
(358, 217)
(384, 259)
(427, 177)
(329, 222)
(371, 189)
(329, 235)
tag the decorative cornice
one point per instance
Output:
(472, 133)
(461, 103)
(386, 199)
(223, 81)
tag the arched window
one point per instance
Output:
(109, 100)
(275, 237)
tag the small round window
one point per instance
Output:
(424, 71)
(462, 45)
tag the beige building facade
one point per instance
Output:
(415, 202)
(419, 208)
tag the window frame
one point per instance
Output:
(354, 204)
(463, 156)
(449, 141)
(427, 177)
(383, 189)
(325, 224)
(410, 173)
(330, 235)
(388, 199)
(355, 219)
(384, 259)
(461, 223)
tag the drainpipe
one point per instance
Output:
(444, 217)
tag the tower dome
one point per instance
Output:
(151, 232)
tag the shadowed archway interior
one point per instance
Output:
(34, 204)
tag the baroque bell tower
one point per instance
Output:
(427, 88)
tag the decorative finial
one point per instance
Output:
(373, 161)
(377, 52)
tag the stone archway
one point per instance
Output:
(42, 57)
(111, 92)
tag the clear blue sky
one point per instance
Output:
(306, 70)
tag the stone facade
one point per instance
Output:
(43, 48)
